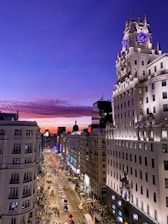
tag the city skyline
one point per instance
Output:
(57, 58)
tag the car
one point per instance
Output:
(65, 202)
(65, 208)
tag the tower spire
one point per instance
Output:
(133, 16)
(145, 19)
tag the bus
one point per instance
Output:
(88, 219)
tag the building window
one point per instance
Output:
(141, 111)
(146, 89)
(165, 107)
(148, 210)
(141, 189)
(155, 214)
(164, 95)
(27, 177)
(166, 164)
(154, 197)
(136, 187)
(153, 163)
(135, 62)
(17, 149)
(143, 73)
(164, 134)
(25, 204)
(153, 97)
(29, 132)
(161, 65)
(28, 148)
(166, 182)
(18, 132)
(153, 85)
(149, 72)
(146, 177)
(151, 147)
(147, 193)
(141, 101)
(13, 193)
(154, 109)
(14, 178)
(163, 82)
(166, 201)
(16, 160)
(142, 62)
(140, 160)
(13, 206)
(147, 110)
(165, 148)
(13, 221)
(155, 69)
(140, 90)
(146, 161)
(147, 101)
(153, 178)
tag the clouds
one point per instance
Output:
(45, 109)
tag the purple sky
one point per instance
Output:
(57, 57)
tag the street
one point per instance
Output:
(58, 201)
(51, 195)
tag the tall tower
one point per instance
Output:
(137, 143)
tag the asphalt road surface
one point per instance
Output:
(54, 192)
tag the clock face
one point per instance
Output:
(142, 37)
(125, 42)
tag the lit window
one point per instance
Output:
(119, 202)
(113, 197)
(135, 216)
(164, 134)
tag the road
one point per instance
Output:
(51, 199)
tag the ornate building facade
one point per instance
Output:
(137, 142)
